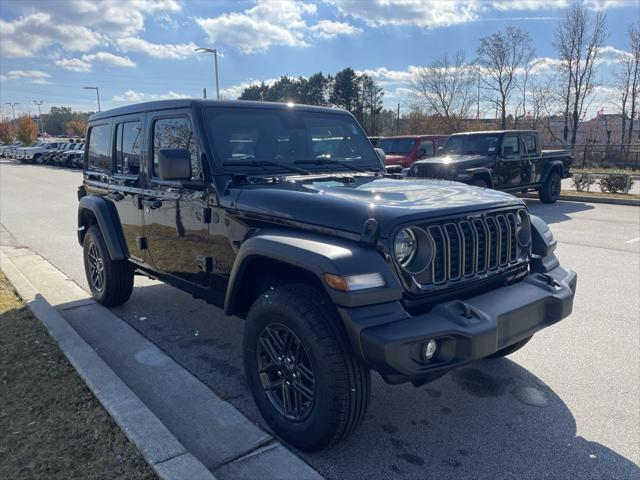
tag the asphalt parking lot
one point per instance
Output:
(566, 406)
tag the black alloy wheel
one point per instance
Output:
(96, 267)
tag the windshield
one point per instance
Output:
(480, 143)
(396, 146)
(249, 138)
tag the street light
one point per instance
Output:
(215, 64)
(13, 113)
(38, 103)
(97, 94)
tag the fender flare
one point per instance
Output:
(107, 219)
(550, 167)
(317, 255)
(467, 174)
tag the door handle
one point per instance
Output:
(151, 203)
(115, 196)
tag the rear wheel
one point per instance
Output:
(306, 382)
(550, 190)
(111, 282)
(511, 348)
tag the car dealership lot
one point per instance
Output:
(566, 406)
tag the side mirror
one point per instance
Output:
(381, 156)
(174, 163)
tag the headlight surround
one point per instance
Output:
(405, 246)
(413, 250)
(523, 228)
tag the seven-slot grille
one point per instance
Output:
(468, 247)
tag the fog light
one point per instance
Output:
(430, 349)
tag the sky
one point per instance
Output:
(140, 50)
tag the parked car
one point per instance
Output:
(509, 160)
(336, 267)
(48, 157)
(5, 150)
(73, 158)
(34, 154)
(404, 150)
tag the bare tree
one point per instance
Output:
(502, 59)
(446, 88)
(578, 40)
(634, 84)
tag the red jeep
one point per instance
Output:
(403, 150)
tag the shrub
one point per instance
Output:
(27, 130)
(615, 183)
(581, 181)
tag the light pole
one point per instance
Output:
(13, 113)
(215, 64)
(38, 103)
(97, 94)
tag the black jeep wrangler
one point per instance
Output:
(508, 160)
(284, 216)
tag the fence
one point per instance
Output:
(612, 156)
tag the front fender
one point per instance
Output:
(317, 255)
(467, 174)
(106, 217)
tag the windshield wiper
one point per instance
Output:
(266, 163)
(329, 161)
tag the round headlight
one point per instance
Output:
(405, 247)
(523, 228)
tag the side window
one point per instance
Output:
(128, 137)
(510, 143)
(99, 148)
(175, 133)
(530, 143)
(427, 147)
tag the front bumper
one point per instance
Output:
(390, 340)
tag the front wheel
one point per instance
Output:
(550, 190)
(111, 282)
(307, 384)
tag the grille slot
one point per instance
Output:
(467, 248)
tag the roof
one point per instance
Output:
(496, 132)
(428, 135)
(200, 103)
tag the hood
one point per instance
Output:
(395, 159)
(345, 203)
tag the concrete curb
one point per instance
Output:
(164, 453)
(591, 199)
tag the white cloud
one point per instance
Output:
(133, 96)
(269, 24)
(156, 50)
(36, 76)
(423, 13)
(509, 5)
(85, 63)
(331, 29)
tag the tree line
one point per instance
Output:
(450, 92)
(59, 122)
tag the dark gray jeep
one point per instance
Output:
(284, 216)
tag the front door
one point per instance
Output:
(176, 215)
(509, 164)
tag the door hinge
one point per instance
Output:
(205, 264)
(204, 215)
(141, 242)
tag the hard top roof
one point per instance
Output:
(196, 102)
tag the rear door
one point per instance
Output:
(124, 187)
(176, 213)
(509, 163)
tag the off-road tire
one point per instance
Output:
(479, 182)
(549, 192)
(117, 283)
(511, 348)
(342, 382)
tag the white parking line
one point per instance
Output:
(633, 240)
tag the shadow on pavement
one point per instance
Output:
(491, 419)
(555, 212)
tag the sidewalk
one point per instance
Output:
(183, 429)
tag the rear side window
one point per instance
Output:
(530, 143)
(99, 148)
(175, 133)
(512, 142)
(128, 137)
